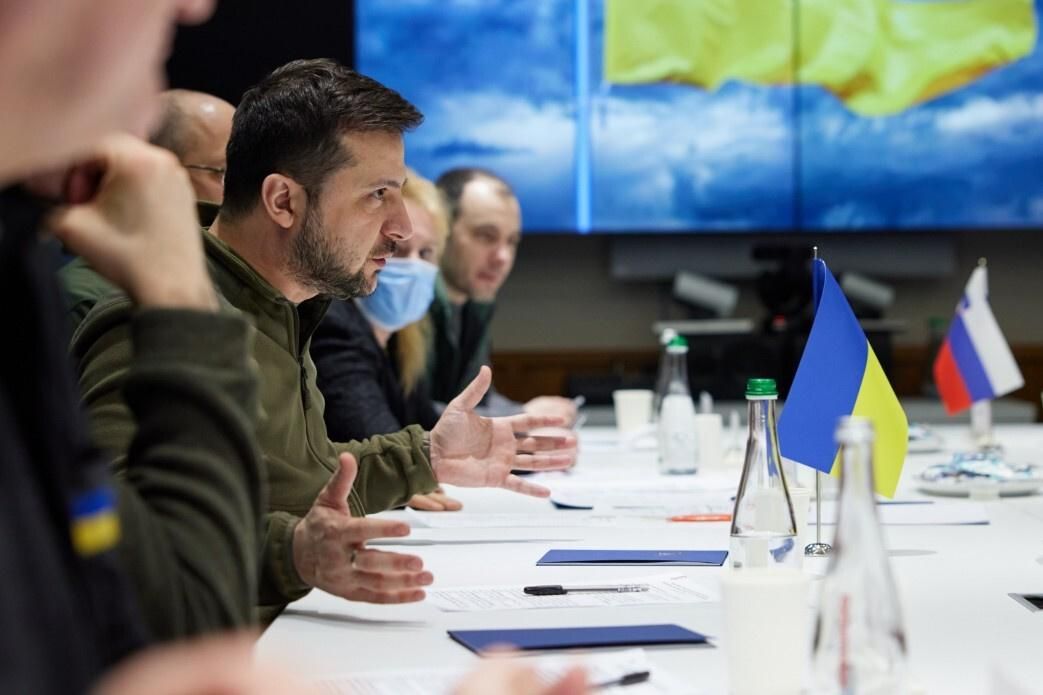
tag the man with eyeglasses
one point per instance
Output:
(195, 126)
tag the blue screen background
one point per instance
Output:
(497, 82)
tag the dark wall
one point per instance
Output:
(246, 39)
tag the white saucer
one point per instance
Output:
(923, 440)
(926, 445)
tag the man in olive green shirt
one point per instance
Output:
(312, 209)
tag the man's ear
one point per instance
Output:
(284, 200)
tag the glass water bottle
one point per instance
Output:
(764, 530)
(663, 376)
(676, 422)
(859, 646)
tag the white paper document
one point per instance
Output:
(708, 493)
(662, 588)
(463, 520)
(920, 514)
(709, 481)
(662, 503)
(563, 520)
(601, 668)
(469, 535)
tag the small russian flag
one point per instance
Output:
(975, 362)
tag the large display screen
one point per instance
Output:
(727, 115)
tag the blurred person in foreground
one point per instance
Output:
(93, 567)
(72, 71)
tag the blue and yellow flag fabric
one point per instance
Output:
(877, 56)
(840, 375)
(95, 525)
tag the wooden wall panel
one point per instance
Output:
(522, 375)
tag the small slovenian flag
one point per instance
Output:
(975, 363)
(840, 375)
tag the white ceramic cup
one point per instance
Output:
(633, 409)
(709, 428)
(766, 636)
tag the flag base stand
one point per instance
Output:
(983, 441)
(993, 449)
(818, 548)
(981, 428)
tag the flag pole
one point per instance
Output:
(981, 412)
(818, 548)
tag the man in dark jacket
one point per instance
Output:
(484, 233)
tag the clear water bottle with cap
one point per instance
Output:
(764, 530)
(663, 377)
(676, 423)
(859, 646)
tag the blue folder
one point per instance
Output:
(577, 637)
(650, 558)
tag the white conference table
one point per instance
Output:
(953, 582)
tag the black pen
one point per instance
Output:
(559, 590)
(627, 679)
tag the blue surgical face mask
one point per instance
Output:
(405, 289)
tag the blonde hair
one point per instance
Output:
(412, 341)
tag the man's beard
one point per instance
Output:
(314, 263)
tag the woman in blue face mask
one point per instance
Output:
(371, 352)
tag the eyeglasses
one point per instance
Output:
(220, 171)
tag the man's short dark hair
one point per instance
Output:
(292, 122)
(452, 183)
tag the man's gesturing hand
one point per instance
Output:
(473, 451)
(329, 549)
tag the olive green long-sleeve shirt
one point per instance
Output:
(298, 454)
(191, 496)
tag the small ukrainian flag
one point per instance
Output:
(840, 375)
(95, 525)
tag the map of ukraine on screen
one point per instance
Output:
(878, 56)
